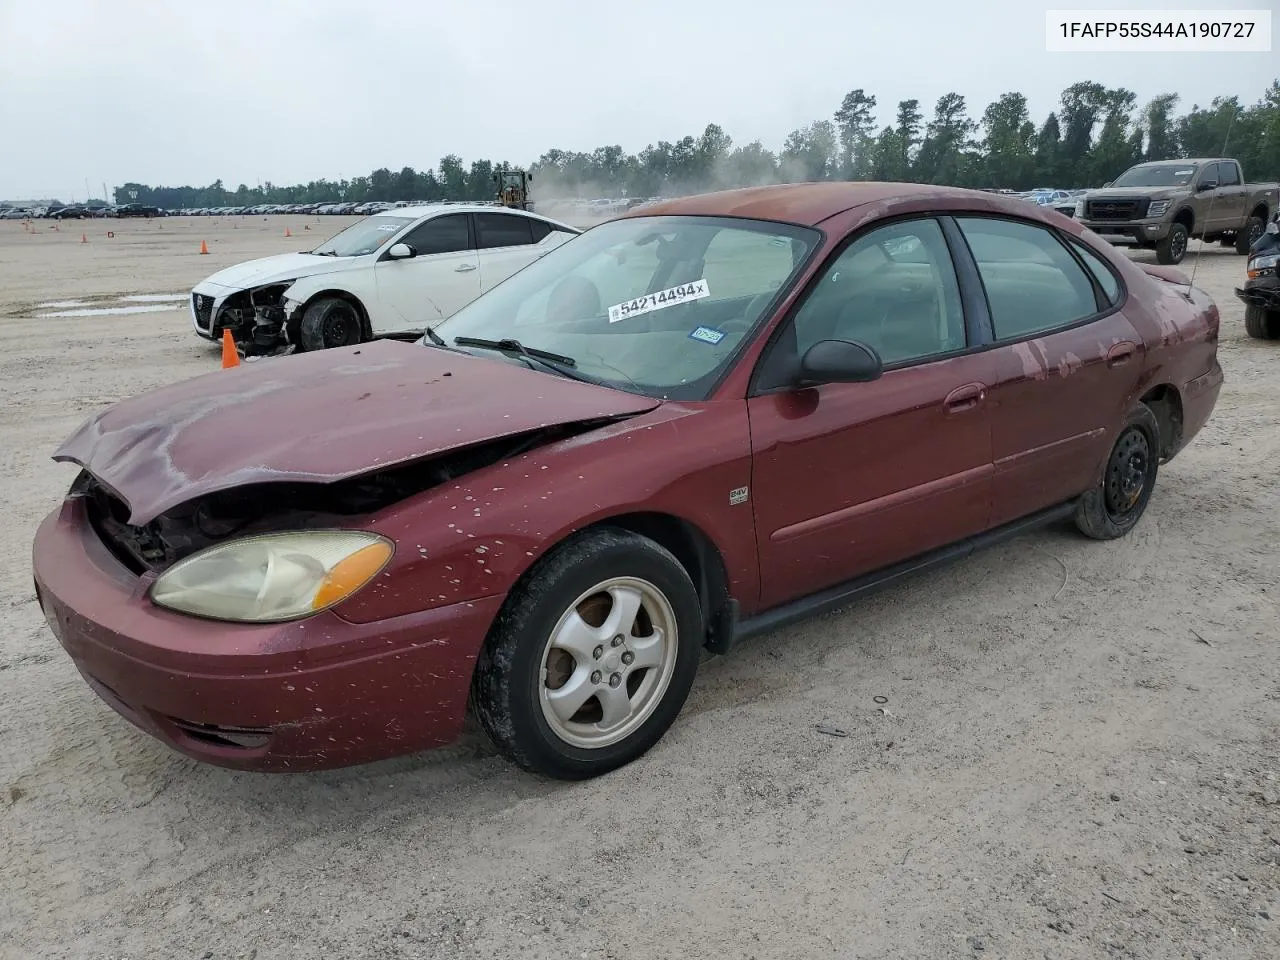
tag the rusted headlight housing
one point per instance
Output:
(274, 577)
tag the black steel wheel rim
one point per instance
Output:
(1127, 474)
(340, 327)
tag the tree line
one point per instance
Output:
(1094, 133)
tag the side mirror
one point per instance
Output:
(1208, 185)
(1108, 183)
(401, 251)
(839, 361)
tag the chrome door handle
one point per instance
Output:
(465, 268)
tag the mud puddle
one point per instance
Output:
(111, 305)
(110, 311)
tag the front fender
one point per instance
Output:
(354, 284)
(478, 535)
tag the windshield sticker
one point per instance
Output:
(707, 335)
(1183, 173)
(388, 227)
(670, 297)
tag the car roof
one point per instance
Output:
(808, 204)
(423, 209)
(1180, 160)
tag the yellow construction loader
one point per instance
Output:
(513, 188)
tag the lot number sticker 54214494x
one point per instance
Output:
(657, 301)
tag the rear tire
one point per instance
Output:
(592, 657)
(1254, 227)
(1117, 503)
(331, 322)
(1173, 247)
(1261, 323)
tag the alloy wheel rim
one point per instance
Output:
(608, 663)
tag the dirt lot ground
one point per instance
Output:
(1078, 753)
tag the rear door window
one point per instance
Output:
(502, 230)
(1032, 282)
(1106, 279)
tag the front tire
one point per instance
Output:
(1261, 323)
(331, 322)
(592, 657)
(1114, 507)
(1173, 247)
(1254, 227)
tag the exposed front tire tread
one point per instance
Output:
(314, 332)
(1261, 323)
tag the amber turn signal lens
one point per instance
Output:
(351, 574)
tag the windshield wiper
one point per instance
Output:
(435, 338)
(324, 253)
(556, 362)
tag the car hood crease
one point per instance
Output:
(321, 417)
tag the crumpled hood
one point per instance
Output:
(279, 268)
(321, 417)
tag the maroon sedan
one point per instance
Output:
(688, 425)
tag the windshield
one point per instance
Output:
(365, 237)
(653, 305)
(1162, 175)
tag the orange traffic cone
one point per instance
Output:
(204, 247)
(84, 238)
(287, 233)
(230, 358)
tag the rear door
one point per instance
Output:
(1067, 361)
(508, 242)
(851, 477)
(1229, 202)
(440, 280)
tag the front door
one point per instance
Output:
(441, 279)
(1067, 362)
(848, 478)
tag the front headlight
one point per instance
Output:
(274, 577)
(1079, 211)
(1157, 208)
(1262, 264)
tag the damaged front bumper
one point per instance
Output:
(306, 695)
(258, 318)
(1263, 293)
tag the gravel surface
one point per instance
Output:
(1057, 748)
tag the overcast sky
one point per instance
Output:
(188, 91)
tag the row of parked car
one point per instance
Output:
(321, 209)
(77, 211)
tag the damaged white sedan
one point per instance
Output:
(392, 274)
